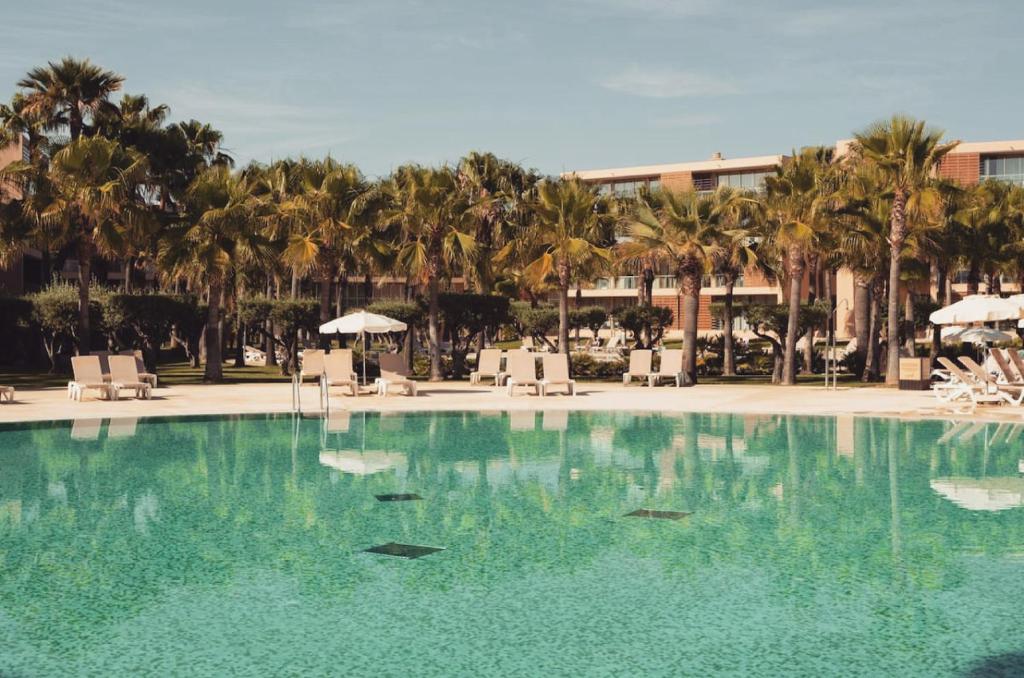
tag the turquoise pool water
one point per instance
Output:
(237, 546)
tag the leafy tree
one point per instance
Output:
(55, 313)
(645, 321)
(591, 317)
(288, 317)
(534, 321)
(150, 317)
(771, 323)
(464, 317)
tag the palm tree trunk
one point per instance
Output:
(434, 329)
(796, 278)
(127, 275)
(898, 233)
(84, 278)
(214, 370)
(871, 368)
(563, 308)
(295, 284)
(909, 339)
(862, 320)
(728, 350)
(973, 277)
(690, 278)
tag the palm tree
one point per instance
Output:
(907, 153)
(213, 240)
(571, 231)
(798, 196)
(736, 213)
(70, 94)
(680, 230)
(431, 213)
(95, 199)
(322, 213)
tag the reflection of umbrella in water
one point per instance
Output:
(359, 463)
(982, 494)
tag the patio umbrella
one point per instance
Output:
(361, 323)
(975, 335)
(977, 308)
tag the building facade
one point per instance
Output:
(969, 163)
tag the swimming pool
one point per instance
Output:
(765, 545)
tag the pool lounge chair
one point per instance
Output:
(124, 376)
(88, 376)
(1009, 393)
(556, 373)
(1015, 359)
(148, 377)
(488, 365)
(7, 392)
(312, 364)
(612, 347)
(338, 371)
(1007, 373)
(522, 371)
(962, 385)
(639, 365)
(671, 368)
(394, 372)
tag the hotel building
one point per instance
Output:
(969, 163)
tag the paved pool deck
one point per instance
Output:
(52, 403)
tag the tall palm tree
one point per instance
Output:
(737, 213)
(96, 200)
(214, 239)
(907, 153)
(682, 231)
(431, 213)
(323, 212)
(571, 232)
(70, 94)
(797, 200)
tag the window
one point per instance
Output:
(745, 181)
(1003, 169)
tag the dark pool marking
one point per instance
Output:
(398, 497)
(408, 551)
(667, 515)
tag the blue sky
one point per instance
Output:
(556, 85)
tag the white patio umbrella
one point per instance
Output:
(974, 335)
(977, 308)
(360, 323)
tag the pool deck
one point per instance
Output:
(52, 403)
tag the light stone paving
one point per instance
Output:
(52, 404)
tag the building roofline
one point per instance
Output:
(1008, 146)
(755, 162)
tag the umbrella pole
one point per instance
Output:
(363, 337)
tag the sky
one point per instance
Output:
(556, 85)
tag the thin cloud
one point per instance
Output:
(662, 83)
(687, 120)
(646, 8)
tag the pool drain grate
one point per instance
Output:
(666, 515)
(398, 497)
(408, 551)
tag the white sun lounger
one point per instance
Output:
(145, 376)
(88, 376)
(124, 376)
(522, 371)
(488, 365)
(556, 373)
(639, 365)
(7, 392)
(338, 370)
(671, 368)
(393, 372)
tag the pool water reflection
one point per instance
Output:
(792, 546)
